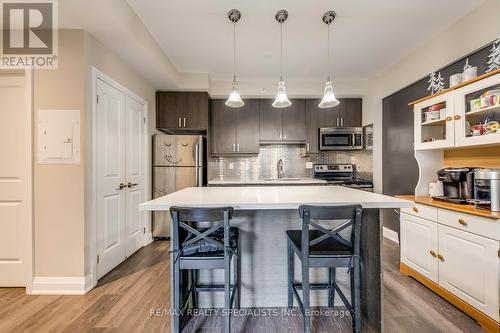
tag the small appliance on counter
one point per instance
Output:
(487, 189)
(341, 175)
(458, 185)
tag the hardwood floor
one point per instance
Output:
(124, 299)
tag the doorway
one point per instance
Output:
(16, 179)
(120, 154)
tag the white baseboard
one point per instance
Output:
(61, 285)
(390, 234)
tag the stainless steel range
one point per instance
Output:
(342, 175)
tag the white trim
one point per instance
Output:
(391, 235)
(30, 243)
(61, 285)
(98, 75)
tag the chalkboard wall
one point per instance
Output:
(399, 167)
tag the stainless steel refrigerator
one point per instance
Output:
(178, 162)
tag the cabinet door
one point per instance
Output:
(168, 110)
(195, 110)
(330, 117)
(350, 113)
(469, 268)
(294, 121)
(419, 245)
(224, 122)
(470, 113)
(248, 128)
(271, 121)
(433, 121)
(312, 126)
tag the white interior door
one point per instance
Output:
(111, 178)
(134, 145)
(15, 187)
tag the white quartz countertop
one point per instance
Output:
(272, 197)
(283, 181)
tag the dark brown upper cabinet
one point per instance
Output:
(346, 114)
(283, 125)
(312, 126)
(235, 131)
(178, 112)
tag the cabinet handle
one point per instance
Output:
(457, 117)
(440, 257)
(184, 122)
(281, 136)
(462, 222)
(342, 121)
(238, 147)
(234, 146)
(284, 135)
(415, 209)
(180, 125)
(449, 118)
(433, 253)
(121, 186)
(337, 121)
(307, 147)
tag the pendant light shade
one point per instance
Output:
(329, 100)
(234, 100)
(281, 100)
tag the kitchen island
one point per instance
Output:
(263, 214)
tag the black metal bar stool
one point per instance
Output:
(196, 248)
(326, 248)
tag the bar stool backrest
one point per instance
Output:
(184, 231)
(350, 214)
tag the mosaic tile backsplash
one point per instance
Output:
(294, 164)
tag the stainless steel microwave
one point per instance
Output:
(341, 138)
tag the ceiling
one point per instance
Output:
(368, 36)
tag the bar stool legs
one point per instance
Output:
(177, 295)
(356, 300)
(331, 288)
(291, 268)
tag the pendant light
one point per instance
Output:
(234, 100)
(281, 100)
(329, 100)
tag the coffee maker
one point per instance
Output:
(458, 185)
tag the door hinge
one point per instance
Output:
(144, 230)
(498, 253)
(144, 120)
(97, 99)
(97, 258)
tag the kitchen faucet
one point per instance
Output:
(281, 174)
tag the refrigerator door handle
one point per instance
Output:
(197, 163)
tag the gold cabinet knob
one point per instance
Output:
(433, 253)
(415, 209)
(462, 222)
(440, 257)
(457, 117)
(449, 118)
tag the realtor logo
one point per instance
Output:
(29, 34)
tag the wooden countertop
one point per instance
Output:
(468, 209)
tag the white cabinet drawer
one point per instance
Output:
(485, 227)
(423, 211)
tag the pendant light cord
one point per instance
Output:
(234, 52)
(281, 51)
(328, 60)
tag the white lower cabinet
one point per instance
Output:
(468, 268)
(463, 263)
(419, 245)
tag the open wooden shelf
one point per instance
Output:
(434, 122)
(444, 91)
(480, 112)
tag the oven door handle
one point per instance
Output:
(353, 140)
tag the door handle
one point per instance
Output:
(180, 125)
(234, 146)
(184, 122)
(433, 253)
(238, 147)
(130, 185)
(440, 256)
(121, 186)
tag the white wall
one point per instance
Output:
(470, 33)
